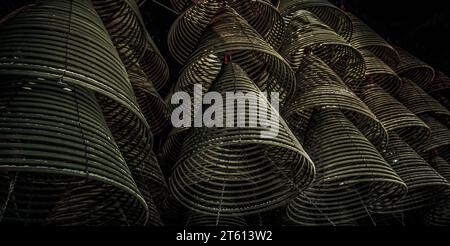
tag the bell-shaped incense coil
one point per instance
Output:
(326, 11)
(152, 105)
(230, 37)
(440, 89)
(318, 86)
(187, 30)
(414, 69)
(364, 38)
(233, 171)
(71, 45)
(395, 117)
(424, 183)
(154, 66)
(418, 101)
(208, 220)
(57, 156)
(378, 72)
(439, 140)
(308, 35)
(351, 173)
(124, 23)
(439, 214)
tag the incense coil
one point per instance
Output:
(412, 68)
(214, 177)
(351, 174)
(206, 220)
(439, 214)
(152, 105)
(55, 144)
(380, 73)
(320, 87)
(365, 38)
(187, 30)
(424, 183)
(124, 23)
(418, 101)
(332, 16)
(154, 66)
(395, 117)
(308, 35)
(228, 33)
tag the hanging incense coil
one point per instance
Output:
(318, 86)
(152, 105)
(424, 183)
(124, 23)
(440, 89)
(206, 220)
(395, 117)
(59, 160)
(154, 66)
(187, 30)
(439, 214)
(351, 174)
(308, 35)
(414, 69)
(326, 11)
(229, 34)
(364, 38)
(237, 171)
(380, 73)
(418, 101)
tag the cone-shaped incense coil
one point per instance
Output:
(58, 156)
(439, 214)
(364, 38)
(307, 35)
(418, 101)
(229, 34)
(351, 174)
(326, 11)
(380, 73)
(208, 220)
(237, 171)
(124, 23)
(187, 30)
(71, 45)
(424, 183)
(394, 116)
(318, 86)
(412, 68)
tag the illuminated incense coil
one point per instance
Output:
(412, 68)
(229, 34)
(236, 171)
(71, 45)
(326, 11)
(395, 117)
(124, 23)
(364, 38)
(351, 174)
(59, 159)
(318, 86)
(187, 30)
(308, 35)
(424, 183)
(380, 73)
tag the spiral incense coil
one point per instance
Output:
(395, 117)
(378, 72)
(308, 35)
(237, 171)
(124, 23)
(152, 105)
(439, 140)
(154, 66)
(418, 101)
(55, 145)
(439, 214)
(351, 174)
(424, 183)
(364, 38)
(318, 86)
(230, 34)
(332, 16)
(207, 220)
(186, 32)
(412, 68)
